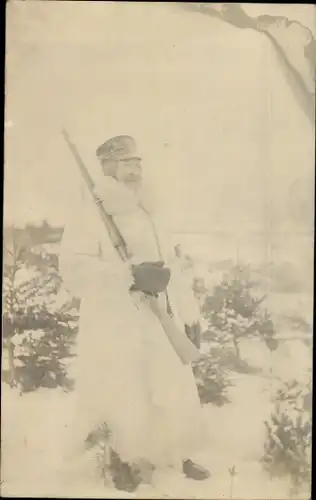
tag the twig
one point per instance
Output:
(232, 471)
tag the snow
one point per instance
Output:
(29, 454)
(34, 425)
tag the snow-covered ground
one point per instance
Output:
(34, 425)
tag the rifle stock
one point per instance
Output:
(183, 346)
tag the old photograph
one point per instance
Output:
(158, 250)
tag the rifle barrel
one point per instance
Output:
(114, 233)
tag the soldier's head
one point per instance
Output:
(118, 159)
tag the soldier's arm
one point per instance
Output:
(85, 264)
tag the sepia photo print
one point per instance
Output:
(158, 250)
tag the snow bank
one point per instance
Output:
(34, 425)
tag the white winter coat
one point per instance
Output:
(126, 371)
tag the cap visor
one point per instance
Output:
(129, 157)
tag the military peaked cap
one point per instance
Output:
(119, 147)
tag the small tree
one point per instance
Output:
(210, 376)
(234, 312)
(39, 316)
(287, 448)
(211, 380)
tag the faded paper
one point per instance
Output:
(220, 102)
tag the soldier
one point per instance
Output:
(128, 374)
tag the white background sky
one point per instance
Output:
(216, 124)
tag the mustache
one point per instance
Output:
(132, 178)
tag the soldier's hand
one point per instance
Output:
(150, 278)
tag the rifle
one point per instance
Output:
(117, 239)
(185, 349)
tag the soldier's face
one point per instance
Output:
(108, 167)
(129, 172)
